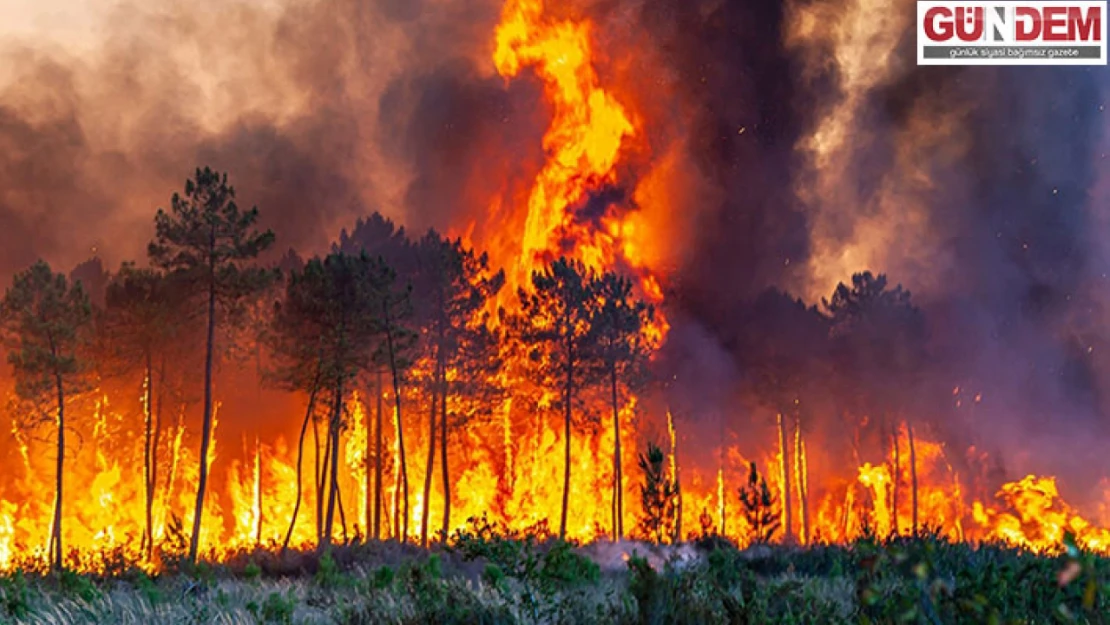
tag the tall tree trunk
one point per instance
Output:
(400, 426)
(568, 394)
(443, 462)
(333, 468)
(56, 551)
(342, 514)
(894, 481)
(368, 454)
(801, 476)
(148, 460)
(258, 448)
(378, 464)
(787, 507)
(430, 466)
(322, 487)
(913, 475)
(206, 425)
(258, 491)
(320, 476)
(618, 481)
(441, 362)
(300, 461)
(675, 477)
(156, 439)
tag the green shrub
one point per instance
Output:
(14, 594)
(278, 608)
(76, 584)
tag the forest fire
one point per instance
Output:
(514, 401)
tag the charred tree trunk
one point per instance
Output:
(258, 448)
(677, 530)
(300, 461)
(802, 478)
(56, 551)
(321, 474)
(148, 460)
(156, 439)
(378, 464)
(404, 491)
(618, 480)
(894, 475)
(443, 463)
(913, 475)
(787, 507)
(441, 362)
(333, 464)
(258, 492)
(568, 395)
(206, 425)
(342, 514)
(430, 465)
(368, 452)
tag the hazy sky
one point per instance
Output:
(72, 21)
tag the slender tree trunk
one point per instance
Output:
(444, 392)
(368, 453)
(148, 460)
(156, 439)
(430, 466)
(567, 396)
(258, 449)
(400, 427)
(342, 514)
(801, 476)
(320, 476)
(322, 488)
(206, 425)
(787, 508)
(443, 462)
(333, 468)
(913, 475)
(258, 491)
(894, 481)
(300, 462)
(675, 477)
(378, 464)
(618, 478)
(56, 551)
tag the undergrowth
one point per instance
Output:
(489, 575)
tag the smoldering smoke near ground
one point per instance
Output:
(968, 186)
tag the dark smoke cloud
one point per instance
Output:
(747, 110)
(1001, 262)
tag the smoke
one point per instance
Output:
(785, 144)
(833, 153)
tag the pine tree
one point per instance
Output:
(452, 288)
(394, 311)
(617, 330)
(46, 326)
(658, 496)
(206, 241)
(880, 337)
(140, 328)
(554, 327)
(380, 238)
(760, 507)
(324, 331)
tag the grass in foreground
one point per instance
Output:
(486, 577)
